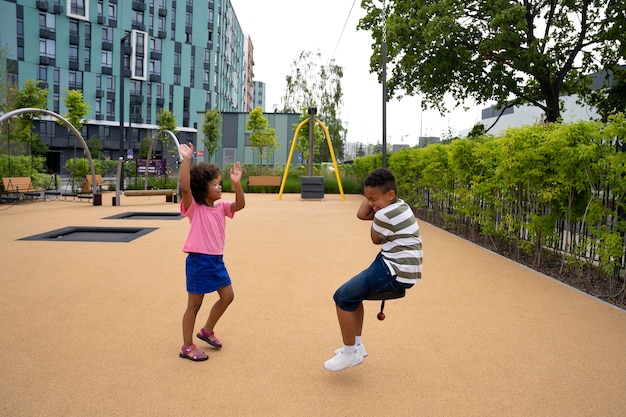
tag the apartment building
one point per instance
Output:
(131, 59)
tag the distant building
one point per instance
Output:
(529, 115)
(427, 140)
(259, 95)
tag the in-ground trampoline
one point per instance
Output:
(92, 234)
(136, 215)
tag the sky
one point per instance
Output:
(281, 29)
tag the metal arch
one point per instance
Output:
(159, 133)
(94, 183)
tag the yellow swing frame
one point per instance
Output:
(293, 147)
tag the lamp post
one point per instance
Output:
(122, 94)
(384, 77)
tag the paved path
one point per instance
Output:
(93, 329)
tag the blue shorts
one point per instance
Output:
(376, 278)
(205, 273)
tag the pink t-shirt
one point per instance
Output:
(207, 233)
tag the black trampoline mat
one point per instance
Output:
(138, 215)
(92, 234)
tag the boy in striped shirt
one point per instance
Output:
(398, 264)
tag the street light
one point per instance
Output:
(122, 94)
(384, 77)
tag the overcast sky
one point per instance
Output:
(281, 29)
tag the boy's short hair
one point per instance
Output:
(381, 178)
(200, 175)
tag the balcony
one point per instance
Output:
(107, 46)
(155, 55)
(101, 20)
(74, 39)
(138, 26)
(155, 78)
(107, 70)
(47, 33)
(99, 93)
(162, 34)
(136, 99)
(139, 6)
(58, 9)
(42, 5)
(160, 101)
(74, 64)
(162, 12)
(44, 60)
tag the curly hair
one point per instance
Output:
(381, 178)
(200, 176)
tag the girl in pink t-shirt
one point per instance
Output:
(200, 189)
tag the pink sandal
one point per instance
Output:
(204, 335)
(199, 356)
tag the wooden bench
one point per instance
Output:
(263, 181)
(16, 188)
(87, 183)
(169, 194)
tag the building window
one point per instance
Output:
(112, 9)
(47, 21)
(156, 45)
(47, 48)
(75, 80)
(107, 34)
(73, 27)
(137, 18)
(107, 59)
(155, 67)
(42, 73)
(110, 84)
(139, 67)
(110, 110)
(79, 9)
(73, 51)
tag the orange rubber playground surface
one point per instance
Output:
(94, 328)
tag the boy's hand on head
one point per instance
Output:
(236, 172)
(186, 150)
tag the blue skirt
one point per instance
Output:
(205, 273)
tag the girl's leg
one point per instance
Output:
(226, 297)
(194, 301)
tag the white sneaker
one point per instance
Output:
(342, 361)
(360, 349)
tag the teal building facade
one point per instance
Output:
(130, 59)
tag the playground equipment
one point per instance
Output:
(97, 197)
(382, 297)
(312, 119)
(170, 195)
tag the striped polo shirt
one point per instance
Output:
(401, 246)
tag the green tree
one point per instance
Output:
(96, 147)
(312, 84)
(76, 108)
(31, 96)
(262, 137)
(511, 52)
(212, 130)
(167, 121)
